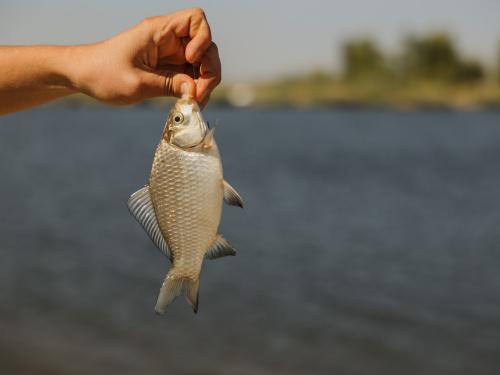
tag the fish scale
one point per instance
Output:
(188, 187)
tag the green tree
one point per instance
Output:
(362, 59)
(469, 72)
(435, 58)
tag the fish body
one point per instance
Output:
(181, 206)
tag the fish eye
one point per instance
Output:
(177, 118)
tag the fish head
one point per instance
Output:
(185, 125)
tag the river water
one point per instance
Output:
(369, 244)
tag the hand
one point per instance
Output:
(157, 57)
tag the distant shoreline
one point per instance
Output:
(302, 95)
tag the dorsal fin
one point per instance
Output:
(209, 139)
(141, 207)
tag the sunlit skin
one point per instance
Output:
(157, 57)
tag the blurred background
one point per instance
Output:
(364, 139)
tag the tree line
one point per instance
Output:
(433, 58)
(426, 71)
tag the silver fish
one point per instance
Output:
(180, 208)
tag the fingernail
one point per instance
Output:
(184, 89)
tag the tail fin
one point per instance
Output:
(172, 288)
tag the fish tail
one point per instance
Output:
(174, 287)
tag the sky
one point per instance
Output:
(260, 40)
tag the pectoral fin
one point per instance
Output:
(141, 207)
(231, 196)
(220, 248)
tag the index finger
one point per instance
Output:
(190, 23)
(210, 70)
(201, 36)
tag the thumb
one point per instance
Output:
(179, 85)
(168, 83)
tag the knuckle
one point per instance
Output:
(198, 12)
(147, 21)
(151, 23)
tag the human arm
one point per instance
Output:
(154, 58)
(31, 75)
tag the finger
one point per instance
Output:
(168, 83)
(204, 102)
(179, 85)
(200, 34)
(170, 31)
(210, 70)
(189, 69)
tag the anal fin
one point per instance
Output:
(220, 248)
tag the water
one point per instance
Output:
(368, 244)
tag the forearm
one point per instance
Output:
(33, 75)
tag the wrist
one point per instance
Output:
(71, 68)
(85, 71)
